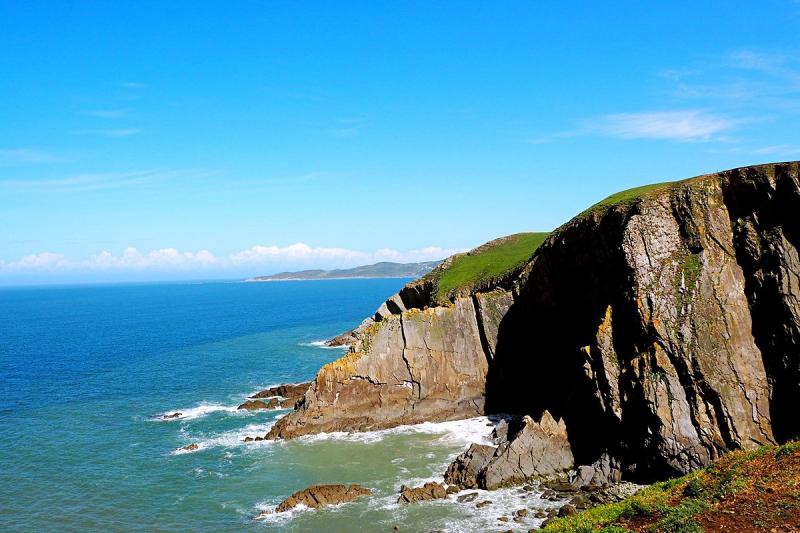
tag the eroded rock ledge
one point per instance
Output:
(317, 496)
(662, 330)
(406, 368)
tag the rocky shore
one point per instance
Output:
(645, 338)
(284, 396)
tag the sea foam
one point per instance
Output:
(324, 345)
(197, 411)
(452, 432)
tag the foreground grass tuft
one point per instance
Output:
(743, 491)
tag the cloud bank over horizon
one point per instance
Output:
(40, 266)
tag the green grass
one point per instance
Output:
(629, 195)
(486, 264)
(673, 506)
(602, 518)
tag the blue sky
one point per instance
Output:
(161, 140)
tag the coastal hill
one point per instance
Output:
(383, 269)
(645, 338)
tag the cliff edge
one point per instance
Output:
(661, 326)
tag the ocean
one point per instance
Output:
(85, 372)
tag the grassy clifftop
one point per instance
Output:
(484, 265)
(496, 260)
(744, 491)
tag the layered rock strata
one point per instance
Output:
(406, 368)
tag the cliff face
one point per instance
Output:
(663, 330)
(410, 367)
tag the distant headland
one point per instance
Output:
(383, 269)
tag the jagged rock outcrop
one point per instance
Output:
(603, 472)
(428, 491)
(287, 390)
(285, 396)
(532, 450)
(535, 450)
(253, 405)
(661, 326)
(411, 367)
(465, 470)
(321, 495)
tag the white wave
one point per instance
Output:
(266, 513)
(252, 395)
(323, 344)
(230, 439)
(467, 516)
(453, 432)
(505, 502)
(184, 450)
(197, 411)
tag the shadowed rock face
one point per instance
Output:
(663, 332)
(644, 318)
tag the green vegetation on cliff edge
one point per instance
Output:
(485, 264)
(743, 491)
(481, 267)
(629, 195)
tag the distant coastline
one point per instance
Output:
(268, 280)
(383, 270)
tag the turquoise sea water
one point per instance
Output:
(84, 372)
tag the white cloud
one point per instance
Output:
(255, 256)
(106, 113)
(36, 262)
(15, 156)
(131, 258)
(783, 149)
(346, 128)
(101, 181)
(430, 253)
(679, 126)
(298, 251)
(745, 79)
(117, 132)
(777, 65)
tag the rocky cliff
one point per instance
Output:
(660, 327)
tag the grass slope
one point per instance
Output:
(757, 491)
(629, 195)
(485, 264)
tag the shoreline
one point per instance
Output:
(255, 280)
